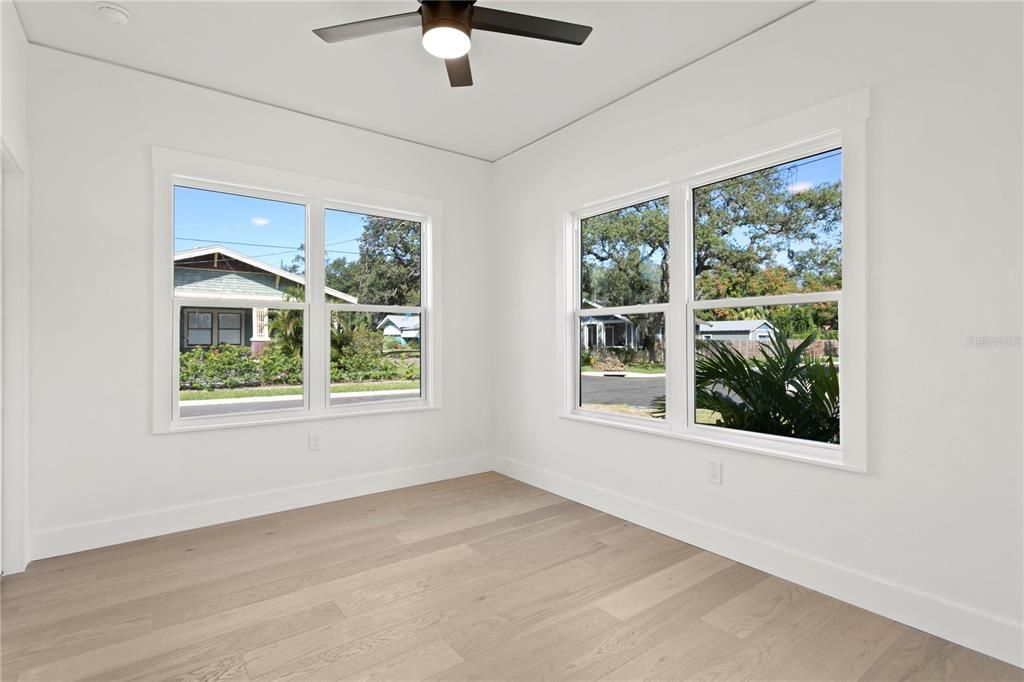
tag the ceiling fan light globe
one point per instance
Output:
(446, 42)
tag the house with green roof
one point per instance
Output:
(218, 272)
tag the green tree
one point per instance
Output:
(625, 255)
(341, 275)
(754, 236)
(388, 271)
(298, 264)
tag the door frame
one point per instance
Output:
(14, 363)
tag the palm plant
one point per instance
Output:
(285, 325)
(782, 393)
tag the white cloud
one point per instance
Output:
(260, 221)
(798, 187)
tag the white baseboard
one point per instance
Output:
(50, 542)
(985, 632)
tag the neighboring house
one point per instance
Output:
(606, 331)
(736, 330)
(403, 327)
(218, 272)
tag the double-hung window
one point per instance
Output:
(280, 296)
(766, 277)
(714, 308)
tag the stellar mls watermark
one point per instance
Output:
(991, 341)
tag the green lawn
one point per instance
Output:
(269, 391)
(646, 369)
(704, 416)
(638, 369)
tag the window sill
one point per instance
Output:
(827, 456)
(289, 416)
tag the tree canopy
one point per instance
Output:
(625, 255)
(387, 271)
(758, 234)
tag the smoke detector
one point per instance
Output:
(113, 14)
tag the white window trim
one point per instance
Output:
(172, 167)
(840, 122)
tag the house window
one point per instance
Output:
(203, 327)
(738, 343)
(198, 327)
(623, 290)
(284, 304)
(229, 328)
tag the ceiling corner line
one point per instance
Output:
(662, 77)
(280, 107)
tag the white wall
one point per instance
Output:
(98, 474)
(932, 535)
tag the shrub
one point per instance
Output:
(784, 392)
(357, 355)
(278, 366)
(229, 366)
(223, 366)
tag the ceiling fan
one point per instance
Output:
(447, 26)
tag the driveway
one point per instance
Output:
(635, 391)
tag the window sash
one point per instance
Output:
(425, 355)
(212, 306)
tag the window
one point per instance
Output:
(203, 327)
(623, 297)
(237, 258)
(734, 341)
(771, 233)
(284, 304)
(375, 339)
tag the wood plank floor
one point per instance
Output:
(480, 577)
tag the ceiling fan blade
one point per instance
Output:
(368, 27)
(459, 74)
(528, 26)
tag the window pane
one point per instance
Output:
(627, 376)
(229, 320)
(371, 259)
(199, 320)
(769, 369)
(374, 357)
(242, 373)
(625, 255)
(228, 245)
(773, 231)
(198, 337)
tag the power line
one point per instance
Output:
(265, 246)
(774, 169)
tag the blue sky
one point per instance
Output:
(269, 231)
(802, 174)
(814, 170)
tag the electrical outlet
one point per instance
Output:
(314, 442)
(715, 473)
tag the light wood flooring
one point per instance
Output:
(480, 577)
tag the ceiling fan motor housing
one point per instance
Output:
(457, 15)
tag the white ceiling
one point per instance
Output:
(523, 88)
